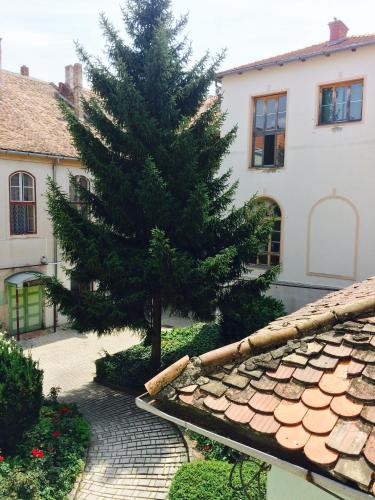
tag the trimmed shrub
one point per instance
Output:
(20, 394)
(209, 480)
(243, 314)
(132, 367)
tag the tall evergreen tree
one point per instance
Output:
(163, 230)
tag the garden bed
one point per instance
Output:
(49, 458)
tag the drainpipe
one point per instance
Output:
(54, 165)
(18, 314)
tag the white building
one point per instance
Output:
(34, 144)
(306, 142)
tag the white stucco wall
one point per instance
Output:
(24, 252)
(326, 188)
(282, 485)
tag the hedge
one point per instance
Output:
(209, 480)
(132, 367)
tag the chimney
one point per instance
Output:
(77, 89)
(69, 76)
(338, 31)
(24, 70)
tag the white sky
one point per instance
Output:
(40, 33)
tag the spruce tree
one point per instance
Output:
(162, 230)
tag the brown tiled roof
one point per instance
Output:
(304, 389)
(30, 119)
(324, 48)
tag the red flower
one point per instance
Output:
(56, 434)
(207, 447)
(63, 410)
(2, 458)
(37, 453)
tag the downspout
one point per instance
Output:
(144, 402)
(54, 165)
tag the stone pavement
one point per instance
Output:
(133, 454)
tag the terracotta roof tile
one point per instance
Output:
(349, 437)
(216, 404)
(308, 375)
(292, 437)
(236, 380)
(30, 118)
(363, 391)
(289, 413)
(315, 398)
(265, 424)
(240, 396)
(289, 390)
(319, 421)
(331, 384)
(328, 412)
(301, 54)
(241, 414)
(282, 374)
(264, 403)
(369, 450)
(345, 407)
(316, 450)
(189, 389)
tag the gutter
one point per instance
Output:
(253, 66)
(144, 402)
(38, 155)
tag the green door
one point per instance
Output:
(29, 308)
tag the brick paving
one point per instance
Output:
(133, 454)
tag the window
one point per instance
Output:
(341, 102)
(269, 131)
(22, 203)
(74, 195)
(270, 253)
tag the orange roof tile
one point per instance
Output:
(30, 119)
(319, 49)
(326, 413)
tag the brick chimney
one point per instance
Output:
(72, 88)
(24, 70)
(338, 30)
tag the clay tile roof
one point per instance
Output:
(319, 414)
(30, 119)
(324, 48)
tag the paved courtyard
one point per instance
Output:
(133, 454)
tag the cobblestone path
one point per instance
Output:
(133, 454)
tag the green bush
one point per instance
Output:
(243, 314)
(132, 367)
(212, 450)
(49, 458)
(209, 480)
(20, 394)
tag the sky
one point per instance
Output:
(41, 33)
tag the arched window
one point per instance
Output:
(22, 203)
(270, 253)
(74, 195)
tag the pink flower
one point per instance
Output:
(2, 458)
(37, 453)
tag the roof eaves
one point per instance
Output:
(144, 402)
(38, 154)
(280, 62)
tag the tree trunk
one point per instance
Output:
(156, 333)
